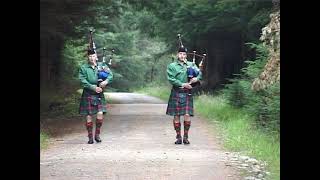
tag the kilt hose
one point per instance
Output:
(92, 103)
(180, 102)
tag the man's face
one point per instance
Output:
(182, 56)
(92, 58)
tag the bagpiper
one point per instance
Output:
(180, 102)
(93, 101)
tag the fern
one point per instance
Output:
(264, 105)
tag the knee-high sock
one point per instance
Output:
(89, 126)
(98, 126)
(187, 125)
(177, 127)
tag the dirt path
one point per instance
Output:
(138, 143)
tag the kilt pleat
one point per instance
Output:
(92, 104)
(180, 103)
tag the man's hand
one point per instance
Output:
(98, 89)
(193, 80)
(104, 83)
(186, 85)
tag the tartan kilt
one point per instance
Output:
(180, 103)
(92, 103)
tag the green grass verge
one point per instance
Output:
(161, 92)
(43, 140)
(239, 132)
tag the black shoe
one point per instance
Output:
(90, 141)
(178, 141)
(186, 141)
(97, 138)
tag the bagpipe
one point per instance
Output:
(103, 69)
(193, 71)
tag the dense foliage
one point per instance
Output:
(263, 104)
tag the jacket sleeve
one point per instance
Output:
(171, 76)
(83, 80)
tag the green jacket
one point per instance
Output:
(177, 72)
(89, 76)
